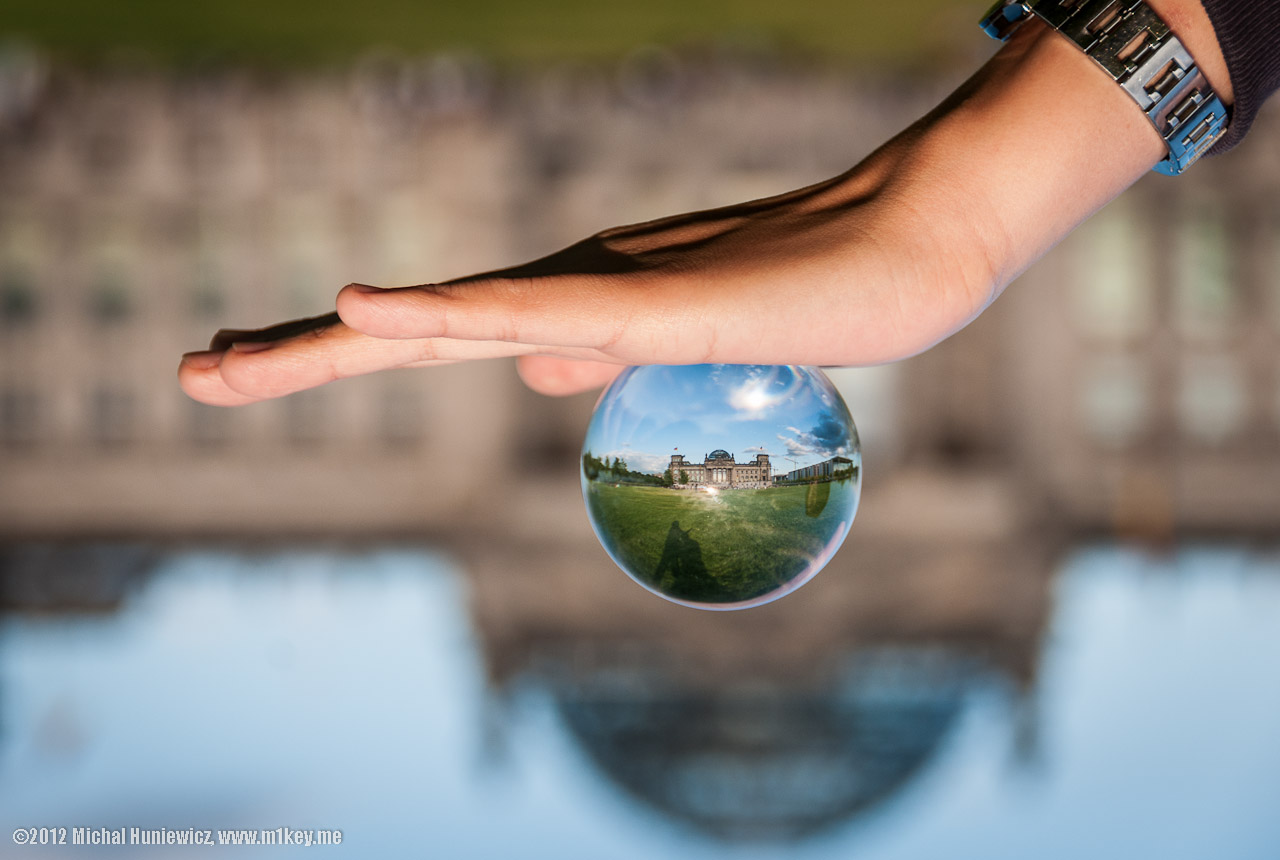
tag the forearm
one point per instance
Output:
(1187, 18)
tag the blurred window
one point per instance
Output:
(110, 301)
(304, 289)
(405, 235)
(306, 417)
(111, 416)
(307, 234)
(207, 149)
(108, 151)
(1203, 293)
(301, 159)
(1273, 276)
(19, 417)
(874, 394)
(18, 304)
(402, 420)
(209, 426)
(1115, 400)
(1212, 398)
(208, 301)
(1277, 403)
(1112, 281)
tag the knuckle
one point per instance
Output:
(426, 350)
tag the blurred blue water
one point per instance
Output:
(347, 690)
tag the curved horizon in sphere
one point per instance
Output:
(721, 486)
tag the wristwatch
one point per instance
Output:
(1138, 50)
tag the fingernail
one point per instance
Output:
(247, 346)
(365, 288)
(204, 360)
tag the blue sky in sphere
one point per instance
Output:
(793, 414)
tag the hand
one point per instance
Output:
(762, 282)
(871, 266)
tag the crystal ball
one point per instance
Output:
(721, 486)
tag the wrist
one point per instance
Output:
(1191, 24)
(1136, 48)
(1029, 147)
(968, 197)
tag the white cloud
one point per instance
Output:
(807, 445)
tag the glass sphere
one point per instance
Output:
(721, 486)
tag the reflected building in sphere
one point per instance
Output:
(720, 469)
(825, 471)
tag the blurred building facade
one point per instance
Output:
(1130, 381)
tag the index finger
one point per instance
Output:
(223, 338)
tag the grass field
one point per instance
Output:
(734, 546)
(291, 31)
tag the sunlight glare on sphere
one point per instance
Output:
(721, 486)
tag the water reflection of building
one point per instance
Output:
(720, 469)
(773, 725)
(771, 764)
(781, 722)
(47, 578)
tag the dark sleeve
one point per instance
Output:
(1249, 34)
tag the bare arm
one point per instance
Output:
(878, 263)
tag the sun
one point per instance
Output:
(752, 396)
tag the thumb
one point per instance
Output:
(560, 377)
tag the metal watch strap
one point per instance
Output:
(1138, 50)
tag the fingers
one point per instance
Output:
(258, 370)
(559, 377)
(224, 338)
(199, 377)
(574, 311)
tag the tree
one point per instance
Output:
(667, 480)
(684, 476)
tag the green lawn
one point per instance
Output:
(731, 547)
(288, 31)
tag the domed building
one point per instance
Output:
(721, 470)
(761, 764)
